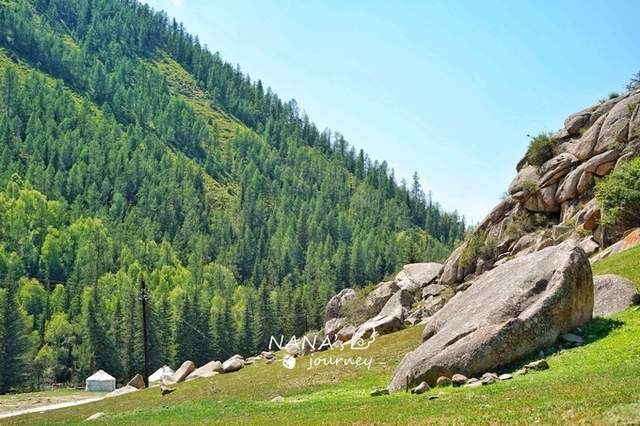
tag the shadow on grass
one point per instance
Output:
(592, 331)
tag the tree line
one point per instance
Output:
(111, 177)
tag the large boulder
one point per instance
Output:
(208, 370)
(612, 294)
(414, 276)
(137, 382)
(181, 373)
(379, 296)
(232, 364)
(506, 313)
(390, 318)
(332, 326)
(336, 303)
(450, 268)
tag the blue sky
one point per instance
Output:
(449, 89)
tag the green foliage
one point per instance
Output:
(540, 149)
(128, 150)
(634, 81)
(618, 195)
(523, 223)
(478, 246)
(626, 264)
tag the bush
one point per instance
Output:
(618, 195)
(523, 223)
(540, 149)
(479, 246)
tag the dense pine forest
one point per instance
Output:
(129, 152)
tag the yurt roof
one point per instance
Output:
(101, 375)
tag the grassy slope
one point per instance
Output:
(596, 383)
(626, 264)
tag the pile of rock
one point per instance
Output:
(560, 191)
(409, 299)
(507, 313)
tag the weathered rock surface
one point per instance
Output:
(390, 318)
(137, 382)
(122, 391)
(208, 370)
(508, 312)
(336, 303)
(415, 276)
(375, 301)
(346, 333)
(232, 364)
(612, 294)
(181, 373)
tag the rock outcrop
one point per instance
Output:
(516, 308)
(612, 294)
(208, 370)
(550, 202)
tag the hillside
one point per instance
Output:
(129, 152)
(596, 383)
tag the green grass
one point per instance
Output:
(626, 264)
(596, 383)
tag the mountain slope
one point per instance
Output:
(130, 152)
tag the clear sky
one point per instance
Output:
(449, 89)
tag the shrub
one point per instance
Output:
(523, 223)
(618, 195)
(540, 149)
(613, 95)
(479, 245)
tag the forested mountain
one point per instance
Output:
(128, 151)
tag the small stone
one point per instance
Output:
(421, 388)
(443, 381)
(541, 364)
(505, 376)
(458, 380)
(489, 376)
(379, 392)
(277, 398)
(166, 390)
(472, 380)
(475, 384)
(520, 372)
(572, 339)
(95, 416)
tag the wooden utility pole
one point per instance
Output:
(143, 298)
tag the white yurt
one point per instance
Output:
(100, 381)
(156, 378)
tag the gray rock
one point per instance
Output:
(458, 380)
(450, 268)
(379, 296)
(583, 147)
(210, 369)
(572, 339)
(95, 416)
(137, 382)
(589, 245)
(346, 333)
(414, 276)
(390, 318)
(433, 290)
(232, 364)
(538, 365)
(577, 121)
(556, 168)
(335, 304)
(505, 376)
(520, 372)
(615, 127)
(475, 384)
(122, 391)
(181, 373)
(507, 313)
(277, 398)
(443, 381)
(612, 294)
(332, 327)
(421, 388)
